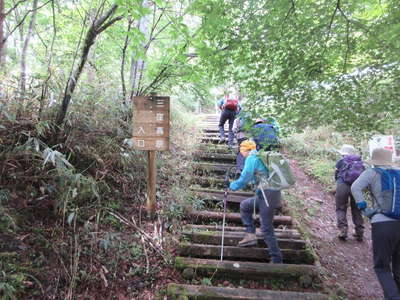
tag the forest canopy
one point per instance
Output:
(307, 62)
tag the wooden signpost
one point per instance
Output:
(151, 117)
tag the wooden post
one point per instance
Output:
(151, 182)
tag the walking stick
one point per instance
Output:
(223, 223)
(226, 183)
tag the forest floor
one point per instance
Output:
(347, 264)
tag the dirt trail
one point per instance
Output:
(350, 262)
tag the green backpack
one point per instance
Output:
(280, 174)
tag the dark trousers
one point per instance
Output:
(240, 159)
(266, 213)
(386, 250)
(230, 116)
(343, 193)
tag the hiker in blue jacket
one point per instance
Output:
(265, 135)
(229, 107)
(343, 194)
(385, 231)
(254, 170)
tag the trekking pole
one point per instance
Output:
(228, 172)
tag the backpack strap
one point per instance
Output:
(378, 170)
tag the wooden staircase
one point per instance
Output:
(245, 273)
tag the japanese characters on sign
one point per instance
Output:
(151, 123)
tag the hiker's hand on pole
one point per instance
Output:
(368, 212)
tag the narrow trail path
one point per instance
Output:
(245, 272)
(350, 262)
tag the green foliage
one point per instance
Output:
(315, 151)
(308, 63)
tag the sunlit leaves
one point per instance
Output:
(299, 52)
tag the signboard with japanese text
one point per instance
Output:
(151, 123)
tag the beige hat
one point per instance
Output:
(381, 157)
(259, 120)
(347, 150)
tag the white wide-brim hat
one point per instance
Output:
(382, 157)
(347, 150)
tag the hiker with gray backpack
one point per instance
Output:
(270, 172)
(348, 168)
(383, 181)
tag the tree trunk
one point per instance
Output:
(123, 61)
(2, 40)
(49, 54)
(138, 66)
(95, 29)
(22, 83)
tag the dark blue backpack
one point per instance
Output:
(390, 180)
(265, 135)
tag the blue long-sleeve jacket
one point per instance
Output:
(253, 168)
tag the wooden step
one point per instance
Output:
(232, 239)
(211, 124)
(214, 156)
(214, 196)
(212, 168)
(233, 201)
(290, 256)
(213, 183)
(233, 217)
(210, 140)
(211, 119)
(207, 181)
(203, 292)
(217, 148)
(304, 275)
(211, 130)
(282, 233)
(218, 192)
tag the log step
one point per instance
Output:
(232, 239)
(233, 201)
(219, 192)
(214, 183)
(233, 217)
(202, 292)
(290, 256)
(206, 181)
(211, 130)
(282, 233)
(211, 168)
(220, 148)
(304, 275)
(210, 140)
(213, 156)
(213, 133)
(212, 198)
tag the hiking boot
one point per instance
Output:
(276, 261)
(342, 235)
(359, 236)
(250, 239)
